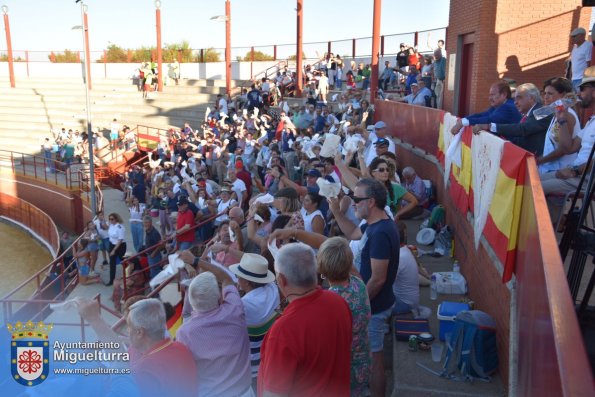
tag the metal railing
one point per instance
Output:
(347, 48)
(52, 278)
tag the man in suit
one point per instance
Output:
(530, 132)
(502, 109)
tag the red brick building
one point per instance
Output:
(526, 41)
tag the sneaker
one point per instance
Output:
(92, 274)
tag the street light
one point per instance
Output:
(8, 46)
(84, 29)
(159, 60)
(227, 19)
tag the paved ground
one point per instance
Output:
(411, 380)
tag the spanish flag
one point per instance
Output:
(502, 223)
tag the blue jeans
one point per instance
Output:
(136, 229)
(377, 328)
(184, 245)
(49, 163)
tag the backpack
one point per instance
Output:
(471, 349)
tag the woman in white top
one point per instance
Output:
(224, 204)
(558, 152)
(137, 211)
(117, 243)
(313, 218)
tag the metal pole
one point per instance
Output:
(8, 46)
(298, 51)
(159, 58)
(89, 127)
(228, 47)
(87, 53)
(375, 48)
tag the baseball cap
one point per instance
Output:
(287, 192)
(315, 173)
(380, 124)
(381, 142)
(414, 84)
(578, 31)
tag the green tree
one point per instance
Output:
(211, 55)
(143, 54)
(258, 56)
(66, 57)
(4, 58)
(180, 51)
(114, 54)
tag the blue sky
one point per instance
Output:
(43, 25)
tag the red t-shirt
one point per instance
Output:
(166, 369)
(307, 352)
(185, 218)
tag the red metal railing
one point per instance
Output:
(161, 243)
(347, 48)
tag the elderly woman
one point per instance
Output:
(335, 262)
(559, 150)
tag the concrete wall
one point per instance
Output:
(499, 29)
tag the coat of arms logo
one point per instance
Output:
(29, 348)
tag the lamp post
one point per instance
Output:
(375, 49)
(88, 106)
(298, 49)
(8, 46)
(87, 53)
(159, 60)
(227, 19)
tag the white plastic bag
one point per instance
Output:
(451, 283)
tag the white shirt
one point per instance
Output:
(579, 57)
(587, 135)
(116, 232)
(223, 106)
(221, 206)
(406, 285)
(137, 216)
(103, 233)
(239, 187)
(371, 150)
(309, 218)
(260, 304)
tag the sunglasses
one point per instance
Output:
(381, 170)
(111, 219)
(582, 87)
(357, 200)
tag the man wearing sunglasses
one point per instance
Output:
(567, 179)
(377, 261)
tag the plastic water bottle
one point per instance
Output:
(560, 104)
(433, 289)
(455, 267)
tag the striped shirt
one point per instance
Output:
(260, 305)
